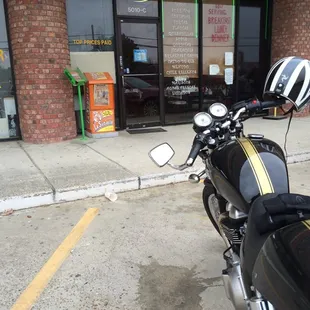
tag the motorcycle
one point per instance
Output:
(246, 195)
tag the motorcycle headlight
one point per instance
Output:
(218, 111)
(202, 120)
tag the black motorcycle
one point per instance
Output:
(247, 198)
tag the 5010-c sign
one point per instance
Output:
(92, 42)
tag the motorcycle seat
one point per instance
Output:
(269, 213)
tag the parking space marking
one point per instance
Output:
(38, 284)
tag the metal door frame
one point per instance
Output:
(119, 78)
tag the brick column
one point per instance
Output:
(291, 32)
(39, 39)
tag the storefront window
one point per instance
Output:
(8, 116)
(91, 38)
(180, 30)
(90, 25)
(218, 51)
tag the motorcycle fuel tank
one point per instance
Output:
(282, 271)
(243, 169)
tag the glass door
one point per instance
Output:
(253, 48)
(139, 66)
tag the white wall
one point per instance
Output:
(94, 62)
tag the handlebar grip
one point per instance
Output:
(253, 105)
(271, 104)
(196, 147)
(256, 105)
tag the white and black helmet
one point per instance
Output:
(289, 78)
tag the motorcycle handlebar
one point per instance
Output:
(254, 105)
(242, 106)
(196, 147)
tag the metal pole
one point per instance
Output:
(81, 112)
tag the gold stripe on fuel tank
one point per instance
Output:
(307, 224)
(258, 167)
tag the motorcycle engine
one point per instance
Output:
(233, 229)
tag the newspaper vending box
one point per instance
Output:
(100, 105)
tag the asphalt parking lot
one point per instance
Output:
(151, 249)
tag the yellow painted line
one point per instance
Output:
(260, 172)
(36, 287)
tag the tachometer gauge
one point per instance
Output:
(218, 111)
(202, 121)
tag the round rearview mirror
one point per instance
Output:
(161, 154)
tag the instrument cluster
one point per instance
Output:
(217, 112)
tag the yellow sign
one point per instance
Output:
(92, 42)
(103, 121)
(98, 76)
(2, 55)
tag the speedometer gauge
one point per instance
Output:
(218, 111)
(202, 120)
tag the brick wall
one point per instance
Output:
(291, 32)
(39, 39)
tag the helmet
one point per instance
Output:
(289, 78)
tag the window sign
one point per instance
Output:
(137, 7)
(180, 39)
(218, 51)
(140, 55)
(218, 35)
(90, 25)
(180, 27)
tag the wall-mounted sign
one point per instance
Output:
(139, 55)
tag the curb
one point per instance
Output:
(96, 190)
(298, 158)
(25, 202)
(117, 186)
(68, 194)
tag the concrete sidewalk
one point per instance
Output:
(34, 175)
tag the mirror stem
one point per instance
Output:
(178, 167)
